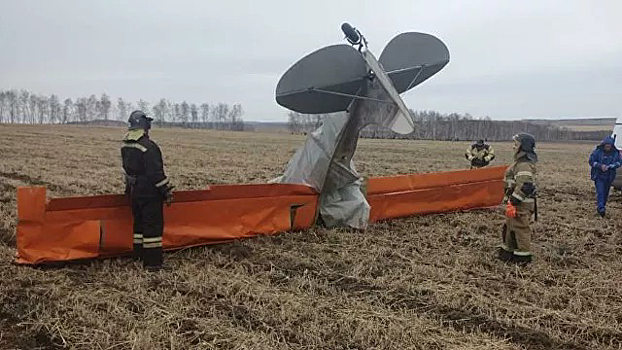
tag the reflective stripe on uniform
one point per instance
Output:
(521, 253)
(136, 145)
(528, 200)
(138, 238)
(152, 242)
(523, 173)
(504, 247)
(518, 196)
(162, 183)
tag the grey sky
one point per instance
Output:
(509, 59)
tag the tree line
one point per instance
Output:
(302, 123)
(432, 125)
(22, 106)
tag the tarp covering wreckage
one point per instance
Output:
(63, 229)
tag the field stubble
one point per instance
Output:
(428, 282)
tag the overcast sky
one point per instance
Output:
(509, 59)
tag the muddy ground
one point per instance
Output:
(429, 282)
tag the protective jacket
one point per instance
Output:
(480, 154)
(144, 169)
(611, 159)
(520, 185)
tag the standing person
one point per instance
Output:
(480, 154)
(520, 194)
(148, 188)
(604, 161)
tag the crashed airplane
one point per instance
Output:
(361, 90)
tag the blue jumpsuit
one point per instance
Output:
(603, 179)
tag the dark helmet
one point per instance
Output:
(139, 120)
(480, 142)
(527, 142)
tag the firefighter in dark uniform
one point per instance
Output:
(480, 154)
(520, 196)
(148, 188)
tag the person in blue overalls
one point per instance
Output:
(604, 161)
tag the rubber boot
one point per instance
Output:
(504, 255)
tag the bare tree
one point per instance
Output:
(194, 115)
(169, 111)
(91, 107)
(185, 113)
(122, 109)
(160, 111)
(220, 113)
(13, 102)
(130, 108)
(176, 112)
(297, 122)
(293, 122)
(54, 109)
(32, 106)
(82, 109)
(24, 97)
(143, 105)
(43, 107)
(2, 105)
(235, 118)
(67, 111)
(205, 114)
(104, 106)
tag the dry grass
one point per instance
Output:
(428, 282)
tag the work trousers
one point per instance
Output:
(602, 193)
(148, 228)
(516, 233)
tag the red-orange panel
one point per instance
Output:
(433, 180)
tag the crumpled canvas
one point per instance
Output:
(341, 201)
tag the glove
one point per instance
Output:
(604, 167)
(510, 210)
(514, 200)
(612, 166)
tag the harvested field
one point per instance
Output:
(429, 282)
